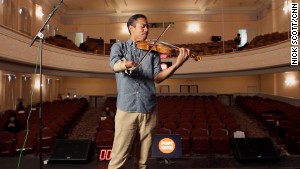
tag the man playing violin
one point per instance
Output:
(135, 119)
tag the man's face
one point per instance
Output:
(140, 31)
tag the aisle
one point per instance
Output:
(249, 124)
(87, 126)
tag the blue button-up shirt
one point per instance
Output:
(136, 92)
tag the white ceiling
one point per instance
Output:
(128, 7)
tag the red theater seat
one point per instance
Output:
(200, 141)
(7, 143)
(185, 139)
(104, 138)
(106, 126)
(294, 141)
(170, 125)
(219, 141)
(162, 131)
(47, 139)
(186, 125)
(30, 144)
(202, 125)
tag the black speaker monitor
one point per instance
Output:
(255, 149)
(216, 38)
(112, 41)
(71, 151)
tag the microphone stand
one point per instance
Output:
(40, 35)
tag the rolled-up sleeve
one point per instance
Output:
(157, 61)
(115, 54)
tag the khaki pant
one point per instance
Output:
(132, 129)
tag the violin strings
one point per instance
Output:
(155, 42)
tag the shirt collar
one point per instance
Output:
(130, 42)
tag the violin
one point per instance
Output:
(161, 47)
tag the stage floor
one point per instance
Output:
(220, 162)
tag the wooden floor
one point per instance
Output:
(219, 162)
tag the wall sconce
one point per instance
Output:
(290, 81)
(37, 84)
(39, 11)
(20, 11)
(56, 31)
(287, 6)
(193, 27)
(48, 80)
(26, 77)
(10, 76)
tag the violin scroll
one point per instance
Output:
(196, 58)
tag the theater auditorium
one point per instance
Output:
(234, 102)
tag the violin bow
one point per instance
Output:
(130, 70)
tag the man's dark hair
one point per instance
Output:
(133, 18)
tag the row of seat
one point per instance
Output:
(210, 48)
(201, 141)
(62, 41)
(28, 141)
(267, 39)
(205, 125)
(281, 118)
(59, 117)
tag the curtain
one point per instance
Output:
(57, 88)
(10, 14)
(48, 90)
(9, 97)
(26, 90)
(25, 21)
